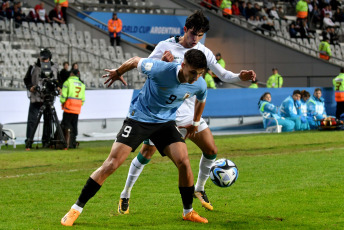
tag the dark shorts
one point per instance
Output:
(133, 133)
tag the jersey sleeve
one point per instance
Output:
(158, 51)
(202, 93)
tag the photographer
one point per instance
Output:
(72, 98)
(36, 80)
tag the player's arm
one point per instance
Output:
(193, 128)
(116, 74)
(230, 77)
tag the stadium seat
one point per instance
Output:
(273, 129)
(8, 138)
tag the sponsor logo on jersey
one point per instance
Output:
(187, 95)
(148, 66)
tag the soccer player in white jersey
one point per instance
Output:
(152, 116)
(172, 50)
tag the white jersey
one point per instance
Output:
(172, 44)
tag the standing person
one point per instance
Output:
(291, 110)
(269, 110)
(64, 73)
(115, 28)
(209, 79)
(72, 98)
(275, 80)
(226, 6)
(152, 115)
(33, 80)
(173, 50)
(64, 7)
(316, 108)
(338, 84)
(222, 63)
(301, 11)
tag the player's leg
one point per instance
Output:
(118, 154)
(177, 152)
(205, 141)
(136, 167)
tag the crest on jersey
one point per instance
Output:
(148, 66)
(187, 95)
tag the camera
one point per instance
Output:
(46, 71)
(49, 88)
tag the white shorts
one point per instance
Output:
(202, 126)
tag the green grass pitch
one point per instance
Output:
(286, 181)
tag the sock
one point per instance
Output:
(90, 189)
(204, 170)
(186, 211)
(136, 167)
(77, 207)
(187, 196)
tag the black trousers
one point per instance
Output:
(64, 13)
(118, 41)
(70, 121)
(32, 119)
(340, 109)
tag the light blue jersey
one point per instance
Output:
(162, 94)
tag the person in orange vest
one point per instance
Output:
(338, 84)
(226, 7)
(72, 98)
(325, 49)
(115, 28)
(64, 6)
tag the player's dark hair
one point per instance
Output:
(196, 59)
(198, 22)
(317, 89)
(305, 93)
(262, 97)
(342, 69)
(296, 92)
(66, 62)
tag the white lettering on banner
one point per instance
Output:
(165, 30)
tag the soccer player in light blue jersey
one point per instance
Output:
(152, 116)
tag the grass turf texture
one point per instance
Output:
(286, 181)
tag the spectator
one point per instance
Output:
(275, 80)
(301, 10)
(281, 14)
(17, 13)
(236, 8)
(274, 14)
(330, 32)
(56, 15)
(326, 10)
(254, 84)
(291, 110)
(5, 11)
(316, 17)
(268, 110)
(64, 7)
(327, 21)
(226, 7)
(249, 10)
(305, 32)
(72, 98)
(38, 14)
(115, 28)
(293, 31)
(242, 8)
(209, 79)
(255, 23)
(338, 84)
(325, 49)
(304, 99)
(316, 108)
(338, 15)
(64, 73)
(267, 24)
(335, 4)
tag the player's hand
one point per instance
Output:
(247, 75)
(112, 76)
(167, 56)
(190, 130)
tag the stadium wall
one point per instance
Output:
(108, 104)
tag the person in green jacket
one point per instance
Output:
(275, 80)
(72, 98)
(222, 63)
(325, 49)
(209, 79)
(254, 84)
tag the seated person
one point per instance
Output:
(316, 108)
(290, 109)
(305, 95)
(56, 15)
(267, 109)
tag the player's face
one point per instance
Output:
(267, 98)
(297, 97)
(192, 37)
(191, 74)
(317, 94)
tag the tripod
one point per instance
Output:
(49, 109)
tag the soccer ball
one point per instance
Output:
(224, 173)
